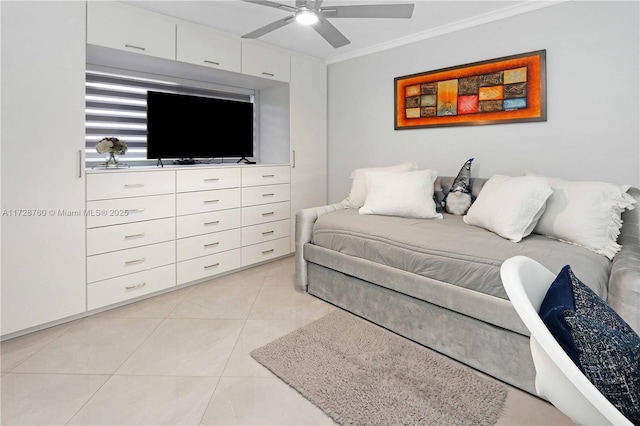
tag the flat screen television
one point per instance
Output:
(188, 127)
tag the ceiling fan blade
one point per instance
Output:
(330, 33)
(369, 11)
(273, 4)
(270, 27)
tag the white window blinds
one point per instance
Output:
(116, 106)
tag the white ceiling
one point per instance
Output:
(430, 18)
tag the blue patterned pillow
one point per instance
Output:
(608, 350)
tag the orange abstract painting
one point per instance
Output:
(503, 90)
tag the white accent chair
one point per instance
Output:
(558, 379)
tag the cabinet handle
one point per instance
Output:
(215, 265)
(268, 195)
(80, 163)
(131, 287)
(126, 237)
(215, 222)
(212, 179)
(136, 210)
(211, 62)
(133, 185)
(211, 201)
(267, 233)
(268, 176)
(268, 214)
(269, 74)
(131, 46)
(131, 262)
(211, 245)
(293, 162)
(267, 251)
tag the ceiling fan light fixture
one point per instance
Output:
(306, 17)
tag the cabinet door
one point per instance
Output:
(266, 63)
(42, 86)
(308, 138)
(201, 47)
(126, 28)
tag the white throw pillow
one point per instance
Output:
(408, 194)
(585, 213)
(509, 206)
(358, 193)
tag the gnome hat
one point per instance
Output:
(461, 182)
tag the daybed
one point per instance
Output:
(437, 281)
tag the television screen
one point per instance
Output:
(185, 126)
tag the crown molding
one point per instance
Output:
(507, 12)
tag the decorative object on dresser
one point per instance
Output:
(361, 374)
(113, 146)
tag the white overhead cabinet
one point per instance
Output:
(127, 28)
(199, 46)
(43, 186)
(264, 62)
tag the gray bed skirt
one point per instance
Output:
(498, 352)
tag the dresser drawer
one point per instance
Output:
(117, 263)
(269, 175)
(127, 210)
(108, 292)
(204, 223)
(265, 213)
(208, 266)
(265, 251)
(204, 245)
(207, 179)
(102, 186)
(255, 195)
(204, 201)
(119, 237)
(265, 232)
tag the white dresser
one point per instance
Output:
(152, 229)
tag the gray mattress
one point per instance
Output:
(451, 251)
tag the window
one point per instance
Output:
(116, 106)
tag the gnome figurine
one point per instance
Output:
(459, 198)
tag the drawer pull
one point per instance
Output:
(267, 233)
(136, 210)
(268, 176)
(211, 245)
(131, 46)
(268, 214)
(269, 74)
(211, 62)
(133, 185)
(268, 195)
(212, 179)
(127, 237)
(268, 251)
(132, 262)
(211, 201)
(215, 265)
(215, 222)
(131, 287)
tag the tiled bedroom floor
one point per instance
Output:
(181, 358)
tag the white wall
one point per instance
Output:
(592, 129)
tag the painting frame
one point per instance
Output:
(509, 89)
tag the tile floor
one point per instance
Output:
(181, 358)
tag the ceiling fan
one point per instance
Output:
(309, 12)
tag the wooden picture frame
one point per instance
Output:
(511, 89)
